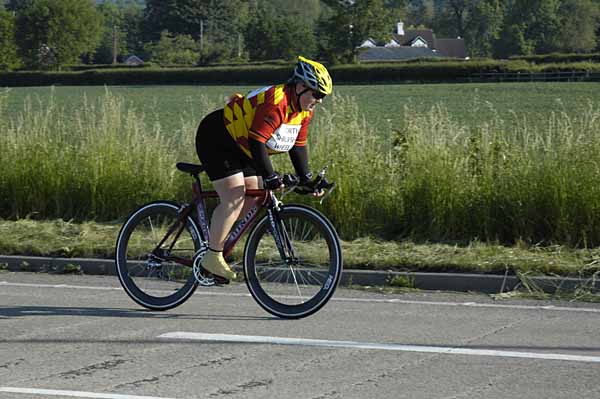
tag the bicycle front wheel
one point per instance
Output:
(293, 266)
(154, 255)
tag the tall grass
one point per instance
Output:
(494, 182)
(97, 162)
(502, 179)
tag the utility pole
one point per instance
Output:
(115, 48)
(201, 36)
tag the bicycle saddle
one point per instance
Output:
(190, 168)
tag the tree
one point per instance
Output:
(579, 21)
(477, 21)
(484, 27)
(175, 16)
(113, 40)
(224, 33)
(531, 26)
(420, 13)
(123, 21)
(453, 17)
(280, 37)
(57, 30)
(214, 24)
(352, 23)
(306, 11)
(132, 25)
(513, 41)
(174, 49)
(16, 5)
(9, 58)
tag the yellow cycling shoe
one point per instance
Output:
(213, 262)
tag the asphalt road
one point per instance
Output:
(64, 336)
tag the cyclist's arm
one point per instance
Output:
(260, 156)
(299, 153)
(266, 120)
(299, 158)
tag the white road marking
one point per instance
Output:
(340, 299)
(68, 286)
(376, 346)
(77, 394)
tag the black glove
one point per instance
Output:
(307, 185)
(273, 182)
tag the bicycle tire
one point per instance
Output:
(145, 277)
(303, 283)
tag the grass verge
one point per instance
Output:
(58, 238)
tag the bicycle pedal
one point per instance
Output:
(217, 280)
(220, 280)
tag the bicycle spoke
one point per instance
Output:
(269, 274)
(152, 229)
(152, 261)
(296, 283)
(303, 281)
(271, 264)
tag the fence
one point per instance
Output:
(563, 76)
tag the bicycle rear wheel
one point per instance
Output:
(154, 256)
(297, 276)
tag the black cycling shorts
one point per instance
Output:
(219, 153)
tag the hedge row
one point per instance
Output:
(558, 58)
(90, 67)
(450, 71)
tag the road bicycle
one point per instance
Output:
(292, 259)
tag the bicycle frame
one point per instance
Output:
(266, 200)
(248, 220)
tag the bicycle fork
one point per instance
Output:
(283, 241)
(284, 245)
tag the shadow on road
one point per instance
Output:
(7, 312)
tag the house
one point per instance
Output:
(411, 43)
(134, 61)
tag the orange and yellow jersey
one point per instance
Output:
(267, 115)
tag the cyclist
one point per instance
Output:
(234, 144)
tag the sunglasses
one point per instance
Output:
(317, 95)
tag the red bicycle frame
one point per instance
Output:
(265, 196)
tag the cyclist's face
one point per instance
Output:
(309, 99)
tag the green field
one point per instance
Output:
(384, 106)
(491, 162)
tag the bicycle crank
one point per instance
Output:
(203, 277)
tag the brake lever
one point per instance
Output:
(290, 182)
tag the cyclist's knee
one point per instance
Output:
(234, 201)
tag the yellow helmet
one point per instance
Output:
(313, 75)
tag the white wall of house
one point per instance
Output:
(419, 42)
(368, 43)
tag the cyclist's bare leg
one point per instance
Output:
(252, 183)
(231, 191)
(232, 205)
